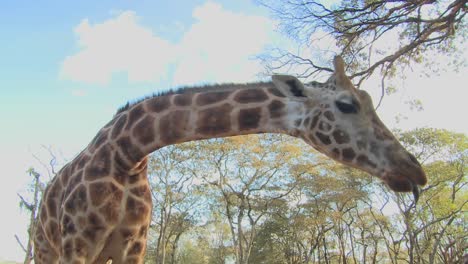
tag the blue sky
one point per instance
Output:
(66, 66)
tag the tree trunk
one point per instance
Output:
(174, 248)
(376, 251)
(240, 234)
(325, 253)
(437, 242)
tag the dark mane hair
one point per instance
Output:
(196, 89)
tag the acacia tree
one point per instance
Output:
(316, 222)
(435, 229)
(248, 176)
(174, 197)
(375, 36)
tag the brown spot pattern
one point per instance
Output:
(52, 231)
(249, 118)
(276, 108)
(51, 207)
(122, 165)
(65, 173)
(214, 121)
(68, 227)
(361, 144)
(135, 211)
(67, 249)
(129, 150)
(329, 115)
(51, 199)
(348, 154)
(100, 164)
(95, 228)
(111, 210)
(142, 192)
(117, 129)
(94, 220)
(336, 153)
(297, 122)
(98, 140)
(183, 99)
(135, 178)
(374, 148)
(80, 247)
(91, 234)
(250, 96)
(158, 104)
(340, 136)
(84, 158)
(144, 130)
(324, 138)
(43, 215)
(74, 181)
(211, 97)
(135, 114)
(136, 249)
(364, 160)
(173, 126)
(77, 201)
(315, 120)
(101, 191)
(127, 233)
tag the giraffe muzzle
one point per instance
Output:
(406, 179)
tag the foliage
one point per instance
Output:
(313, 210)
(375, 37)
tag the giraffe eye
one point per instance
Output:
(347, 108)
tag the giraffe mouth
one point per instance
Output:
(400, 183)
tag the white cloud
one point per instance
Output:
(117, 45)
(218, 47)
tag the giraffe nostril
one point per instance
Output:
(413, 159)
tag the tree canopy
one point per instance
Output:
(373, 36)
(270, 199)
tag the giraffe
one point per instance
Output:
(98, 207)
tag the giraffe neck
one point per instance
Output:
(222, 111)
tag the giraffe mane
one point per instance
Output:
(193, 89)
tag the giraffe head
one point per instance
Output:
(340, 121)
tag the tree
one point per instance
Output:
(435, 229)
(346, 217)
(372, 36)
(37, 188)
(174, 197)
(263, 199)
(249, 175)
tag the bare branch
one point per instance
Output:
(21, 244)
(356, 25)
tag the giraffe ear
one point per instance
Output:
(289, 85)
